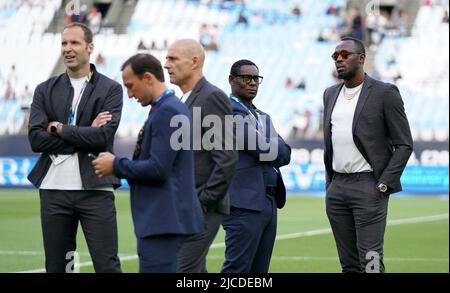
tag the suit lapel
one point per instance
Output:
(149, 119)
(69, 99)
(84, 99)
(365, 92)
(153, 110)
(87, 92)
(254, 118)
(195, 91)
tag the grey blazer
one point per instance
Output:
(380, 131)
(214, 169)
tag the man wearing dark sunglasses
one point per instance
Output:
(257, 188)
(367, 145)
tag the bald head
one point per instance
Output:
(191, 48)
(184, 63)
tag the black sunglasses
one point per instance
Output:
(344, 54)
(248, 78)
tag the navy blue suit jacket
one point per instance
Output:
(248, 188)
(163, 196)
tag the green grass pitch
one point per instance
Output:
(416, 240)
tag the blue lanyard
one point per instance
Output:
(258, 122)
(156, 101)
(73, 111)
(163, 95)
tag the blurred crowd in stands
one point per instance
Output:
(10, 91)
(371, 28)
(93, 18)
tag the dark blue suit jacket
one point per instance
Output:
(163, 196)
(248, 188)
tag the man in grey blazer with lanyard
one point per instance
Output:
(214, 167)
(367, 146)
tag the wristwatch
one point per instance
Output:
(382, 187)
(53, 128)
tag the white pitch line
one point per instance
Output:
(32, 271)
(418, 220)
(413, 220)
(32, 253)
(83, 264)
(13, 252)
(324, 258)
(328, 230)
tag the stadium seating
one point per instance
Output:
(284, 36)
(423, 62)
(24, 45)
(283, 46)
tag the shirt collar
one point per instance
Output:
(161, 96)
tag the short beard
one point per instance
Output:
(250, 97)
(247, 99)
(346, 75)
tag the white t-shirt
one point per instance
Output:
(185, 96)
(346, 156)
(64, 172)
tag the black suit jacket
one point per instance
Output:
(214, 169)
(52, 101)
(380, 131)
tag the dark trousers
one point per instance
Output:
(249, 239)
(193, 252)
(158, 254)
(61, 210)
(357, 213)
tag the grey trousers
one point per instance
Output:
(357, 213)
(61, 210)
(192, 255)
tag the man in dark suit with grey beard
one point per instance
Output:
(214, 167)
(367, 145)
